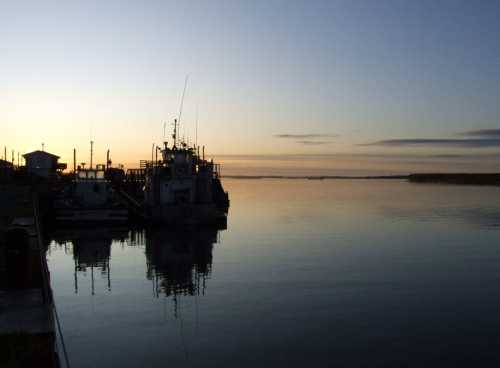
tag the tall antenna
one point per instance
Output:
(196, 128)
(91, 153)
(182, 100)
(175, 133)
(164, 129)
(91, 143)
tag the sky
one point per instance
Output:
(264, 77)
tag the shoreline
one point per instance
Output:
(314, 177)
(490, 179)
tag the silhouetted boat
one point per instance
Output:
(90, 198)
(183, 187)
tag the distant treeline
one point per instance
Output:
(323, 177)
(458, 179)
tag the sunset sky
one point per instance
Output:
(266, 77)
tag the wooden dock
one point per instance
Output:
(27, 325)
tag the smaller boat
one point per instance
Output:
(91, 198)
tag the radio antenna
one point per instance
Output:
(182, 101)
(91, 153)
(196, 128)
(174, 136)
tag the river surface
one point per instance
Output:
(326, 273)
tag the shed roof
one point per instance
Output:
(41, 153)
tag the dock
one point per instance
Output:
(27, 320)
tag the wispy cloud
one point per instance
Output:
(304, 136)
(314, 143)
(462, 143)
(485, 133)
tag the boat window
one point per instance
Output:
(91, 175)
(82, 175)
(100, 175)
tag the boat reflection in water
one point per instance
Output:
(91, 247)
(179, 261)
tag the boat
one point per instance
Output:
(90, 198)
(182, 187)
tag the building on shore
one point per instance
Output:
(43, 164)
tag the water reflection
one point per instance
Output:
(341, 273)
(178, 261)
(91, 248)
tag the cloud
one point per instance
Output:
(313, 143)
(495, 133)
(462, 143)
(304, 136)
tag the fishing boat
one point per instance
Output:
(182, 187)
(91, 198)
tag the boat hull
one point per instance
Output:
(186, 214)
(92, 215)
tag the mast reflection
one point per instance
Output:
(91, 249)
(178, 260)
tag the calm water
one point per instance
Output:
(319, 273)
